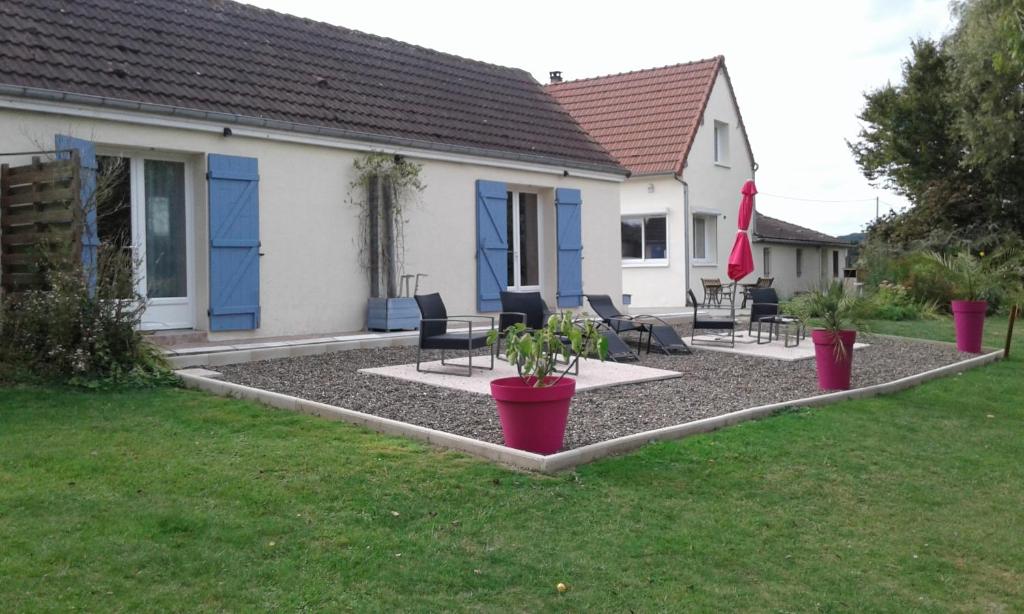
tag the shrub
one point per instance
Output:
(895, 302)
(86, 338)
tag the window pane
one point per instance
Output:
(510, 230)
(767, 262)
(114, 201)
(166, 270)
(799, 262)
(632, 241)
(700, 243)
(529, 258)
(654, 237)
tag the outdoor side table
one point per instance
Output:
(782, 326)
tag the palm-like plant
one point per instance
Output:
(536, 353)
(836, 309)
(975, 277)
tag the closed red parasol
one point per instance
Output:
(741, 260)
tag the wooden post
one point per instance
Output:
(1009, 330)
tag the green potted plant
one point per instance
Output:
(975, 278)
(534, 407)
(837, 310)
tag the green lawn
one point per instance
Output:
(174, 500)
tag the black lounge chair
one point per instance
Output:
(764, 303)
(664, 336)
(713, 323)
(434, 334)
(616, 320)
(618, 351)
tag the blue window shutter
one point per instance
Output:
(87, 178)
(568, 209)
(491, 244)
(234, 205)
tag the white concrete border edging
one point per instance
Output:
(570, 458)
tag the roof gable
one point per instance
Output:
(225, 57)
(648, 119)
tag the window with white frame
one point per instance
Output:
(799, 262)
(705, 231)
(523, 218)
(721, 142)
(767, 258)
(644, 239)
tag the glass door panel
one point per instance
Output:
(166, 247)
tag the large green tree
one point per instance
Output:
(950, 137)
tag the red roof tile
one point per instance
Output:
(647, 119)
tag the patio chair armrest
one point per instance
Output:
(474, 317)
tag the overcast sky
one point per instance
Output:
(799, 68)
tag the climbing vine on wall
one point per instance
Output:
(384, 187)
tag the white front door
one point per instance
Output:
(157, 195)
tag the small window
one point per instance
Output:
(721, 142)
(799, 262)
(767, 261)
(644, 239)
(704, 230)
(835, 263)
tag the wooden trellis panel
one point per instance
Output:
(40, 209)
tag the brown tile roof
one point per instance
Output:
(770, 229)
(648, 118)
(230, 61)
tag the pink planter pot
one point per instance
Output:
(833, 371)
(533, 419)
(969, 319)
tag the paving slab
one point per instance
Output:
(593, 374)
(747, 345)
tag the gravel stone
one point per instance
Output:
(713, 383)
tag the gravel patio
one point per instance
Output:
(712, 383)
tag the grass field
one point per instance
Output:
(174, 500)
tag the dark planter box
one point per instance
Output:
(392, 314)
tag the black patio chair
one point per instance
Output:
(761, 284)
(713, 323)
(434, 333)
(764, 303)
(664, 336)
(616, 320)
(527, 308)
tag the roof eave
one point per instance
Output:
(63, 97)
(763, 239)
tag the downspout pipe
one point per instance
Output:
(687, 232)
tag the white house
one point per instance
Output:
(679, 131)
(239, 128)
(797, 258)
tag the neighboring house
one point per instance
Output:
(678, 129)
(240, 127)
(798, 258)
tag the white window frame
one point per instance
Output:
(721, 144)
(136, 165)
(643, 261)
(710, 239)
(514, 284)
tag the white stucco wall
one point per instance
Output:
(311, 280)
(816, 267)
(657, 284)
(714, 189)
